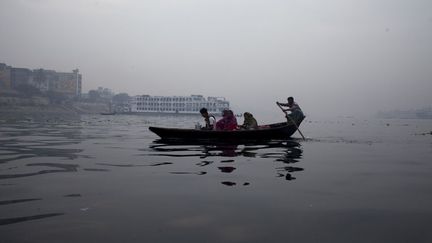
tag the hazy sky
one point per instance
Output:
(341, 57)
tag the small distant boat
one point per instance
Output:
(110, 112)
(107, 113)
(281, 130)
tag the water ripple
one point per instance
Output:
(27, 218)
(62, 168)
(7, 202)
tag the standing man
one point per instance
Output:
(209, 119)
(296, 113)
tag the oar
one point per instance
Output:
(290, 119)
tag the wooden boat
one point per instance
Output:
(108, 113)
(281, 130)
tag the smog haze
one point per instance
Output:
(335, 57)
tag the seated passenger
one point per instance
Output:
(249, 122)
(208, 118)
(228, 121)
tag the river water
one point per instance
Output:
(98, 178)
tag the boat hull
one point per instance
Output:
(272, 131)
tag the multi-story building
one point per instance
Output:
(21, 76)
(177, 104)
(43, 78)
(5, 76)
(59, 82)
(69, 84)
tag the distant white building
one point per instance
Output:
(177, 104)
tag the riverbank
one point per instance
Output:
(11, 102)
(72, 108)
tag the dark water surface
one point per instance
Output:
(108, 179)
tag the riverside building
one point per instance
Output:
(177, 104)
(65, 83)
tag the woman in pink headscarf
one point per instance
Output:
(227, 122)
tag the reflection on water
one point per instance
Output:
(283, 152)
(108, 176)
(28, 139)
(33, 147)
(54, 152)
